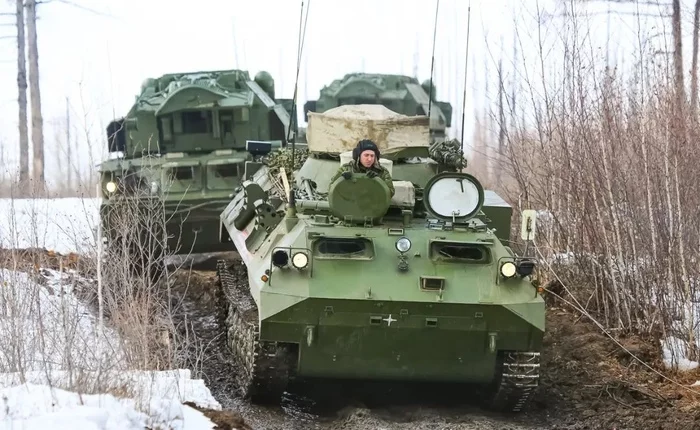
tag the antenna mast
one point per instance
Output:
(464, 96)
(293, 119)
(432, 63)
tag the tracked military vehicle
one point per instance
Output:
(399, 93)
(346, 281)
(181, 150)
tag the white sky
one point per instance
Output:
(100, 60)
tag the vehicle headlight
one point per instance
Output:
(154, 187)
(508, 269)
(300, 260)
(111, 187)
(403, 244)
(526, 267)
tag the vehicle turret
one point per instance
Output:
(200, 112)
(399, 93)
(187, 142)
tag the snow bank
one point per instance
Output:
(46, 328)
(30, 406)
(142, 386)
(58, 369)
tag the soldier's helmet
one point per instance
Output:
(364, 145)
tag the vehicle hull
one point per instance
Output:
(408, 341)
(192, 225)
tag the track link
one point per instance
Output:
(265, 368)
(518, 380)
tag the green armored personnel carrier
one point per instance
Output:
(348, 281)
(181, 150)
(399, 93)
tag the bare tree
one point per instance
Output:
(22, 99)
(604, 155)
(35, 94)
(678, 53)
(694, 68)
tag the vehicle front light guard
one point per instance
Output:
(285, 257)
(523, 266)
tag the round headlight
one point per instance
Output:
(300, 260)
(403, 244)
(508, 269)
(154, 187)
(111, 187)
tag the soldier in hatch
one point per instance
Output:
(365, 159)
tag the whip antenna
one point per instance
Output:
(464, 96)
(432, 64)
(293, 119)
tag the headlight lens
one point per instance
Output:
(403, 244)
(154, 187)
(508, 269)
(300, 260)
(111, 187)
(526, 267)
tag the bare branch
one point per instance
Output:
(77, 6)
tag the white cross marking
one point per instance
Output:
(389, 320)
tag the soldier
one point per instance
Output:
(365, 158)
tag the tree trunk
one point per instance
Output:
(35, 94)
(678, 55)
(694, 69)
(22, 99)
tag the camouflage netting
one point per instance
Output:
(283, 158)
(339, 129)
(449, 153)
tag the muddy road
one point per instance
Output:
(587, 383)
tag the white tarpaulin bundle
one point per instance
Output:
(339, 129)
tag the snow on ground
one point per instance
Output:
(58, 367)
(62, 225)
(30, 406)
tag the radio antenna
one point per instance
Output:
(293, 119)
(464, 96)
(432, 64)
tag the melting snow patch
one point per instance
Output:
(674, 351)
(30, 406)
(140, 385)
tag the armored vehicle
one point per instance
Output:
(181, 149)
(399, 93)
(344, 280)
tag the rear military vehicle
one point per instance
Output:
(344, 280)
(180, 152)
(399, 93)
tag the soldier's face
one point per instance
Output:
(367, 158)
